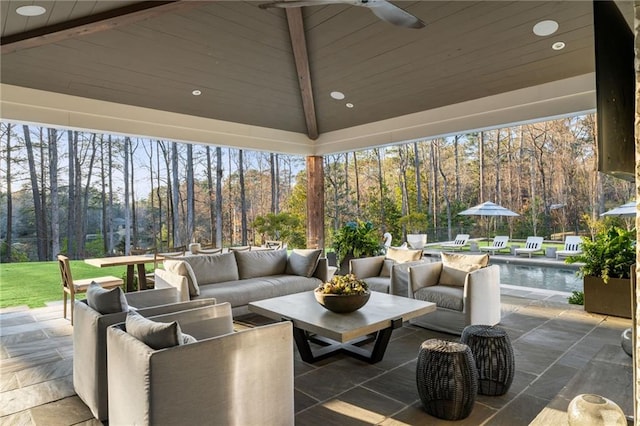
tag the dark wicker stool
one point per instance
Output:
(447, 379)
(493, 354)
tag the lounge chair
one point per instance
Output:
(572, 247)
(499, 243)
(458, 243)
(533, 245)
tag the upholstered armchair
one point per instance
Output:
(380, 272)
(239, 378)
(90, 341)
(465, 291)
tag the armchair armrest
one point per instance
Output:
(423, 275)
(166, 279)
(482, 295)
(366, 267)
(202, 322)
(153, 297)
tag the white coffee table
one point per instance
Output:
(342, 332)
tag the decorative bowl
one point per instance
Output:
(341, 303)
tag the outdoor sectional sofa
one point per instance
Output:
(243, 277)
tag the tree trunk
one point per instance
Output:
(55, 201)
(110, 220)
(416, 161)
(445, 190)
(380, 185)
(243, 197)
(357, 176)
(134, 216)
(85, 202)
(71, 194)
(175, 201)
(456, 159)
(481, 166)
(127, 207)
(37, 201)
(9, 237)
(211, 196)
(191, 204)
(218, 196)
(273, 183)
(103, 198)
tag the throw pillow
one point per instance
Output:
(386, 268)
(106, 301)
(187, 339)
(465, 259)
(156, 335)
(261, 263)
(403, 255)
(303, 262)
(182, 268)
(455, 267)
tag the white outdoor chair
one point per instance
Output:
(457, 244)
(572, 246)
(533, 245)
(499, 243)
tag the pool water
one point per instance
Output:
(548, 278)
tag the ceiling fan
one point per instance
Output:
(381, 8)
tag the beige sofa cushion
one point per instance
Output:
(303, 262)
(403, 255)
(264, 263)
(455, 267)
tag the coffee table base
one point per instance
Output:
(351, 348)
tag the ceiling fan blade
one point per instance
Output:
(285, 4)
(393, 14)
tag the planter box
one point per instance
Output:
(613, 298)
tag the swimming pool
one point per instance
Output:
(545, 277)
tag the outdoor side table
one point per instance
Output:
(446, 378)
(494, 359)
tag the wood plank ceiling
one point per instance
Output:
(242, 60)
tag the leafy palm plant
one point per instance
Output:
(609, 255)
(356, 238)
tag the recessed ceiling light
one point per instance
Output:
(196, 92)
(32, 10)
(545, 28)
(337, 95)
(349, 105)
(558, 45)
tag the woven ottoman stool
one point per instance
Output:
(446, 378)
(493, 354)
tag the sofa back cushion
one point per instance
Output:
(254, 264)
(214, 268)
(455, 267)
(403, 255)
(303, 262)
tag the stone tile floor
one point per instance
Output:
(552, 341)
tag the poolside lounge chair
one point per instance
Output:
(459, 242)
(499, 243)
(572, 246)
(533, 244)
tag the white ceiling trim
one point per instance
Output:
(551, 100)
(559, 98)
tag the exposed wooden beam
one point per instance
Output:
(91, 24)
(299, 45)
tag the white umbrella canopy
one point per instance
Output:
(488, 209)
(627, 209)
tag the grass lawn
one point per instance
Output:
(34, 283)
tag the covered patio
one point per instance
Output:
(233, 74)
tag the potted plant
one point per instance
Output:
(415, 223)
(606, 267)
(355, 239)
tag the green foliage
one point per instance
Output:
(18, 252)
(356, 238)
(415, 222)
(609, 255)
(576, 298)
(282, 226)
(344, 284)
(95, 247)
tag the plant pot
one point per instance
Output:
(416, 241)
(613, 298)
(340, 303)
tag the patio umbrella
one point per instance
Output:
(628, 209)
(488, 209)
